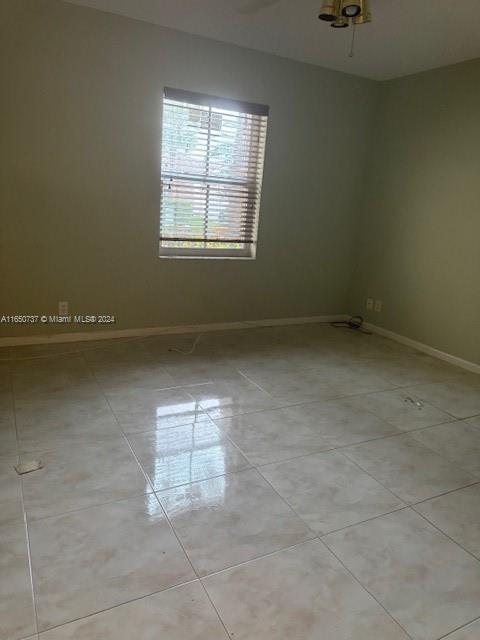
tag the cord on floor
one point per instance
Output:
(190, 351)
(355, 323)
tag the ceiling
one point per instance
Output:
(406, 36)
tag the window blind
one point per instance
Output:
(212, 165)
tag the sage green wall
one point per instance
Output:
(419, 242)
(80, 151)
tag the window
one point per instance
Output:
(212, 166)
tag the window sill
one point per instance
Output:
(207, 257)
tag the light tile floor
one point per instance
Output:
(283, 483)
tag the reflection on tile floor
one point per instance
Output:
(231, 519)
(278, 483)
(180, 455)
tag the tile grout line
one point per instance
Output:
(391, 435)
(132, 434)
(122, 432)
(365, 588)
(317, 534)
(304, 455)
(257, 558)
(25, 519)
(354, 524)
(338, 447)
(177, 586)
(441, 455)
(446, 534)
(455, 418)
(201, 578)
(373, 477)
(273, 488)
(401, 508)
(257, 469)
(339, 396)
(125, 439)
(116, 606)
(463, 626)
(445, 493)
(475, 481)
(85, 508)
(197, 576)
(227, 632)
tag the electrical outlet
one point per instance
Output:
(63, 308)
(378, 305)
(369, 304)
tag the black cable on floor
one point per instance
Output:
(355, 323)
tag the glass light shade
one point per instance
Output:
(351, 8)
(330, 10)
(340, 23)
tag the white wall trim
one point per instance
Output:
(285, 321)
(109, 334)
(425, 348)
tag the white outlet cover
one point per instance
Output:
(369, 304)
(378, 305)
(63, 308)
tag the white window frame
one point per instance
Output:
(249, 250)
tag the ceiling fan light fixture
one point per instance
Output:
(340, 14)
(364, 16)
(330, 10)
(351, 8)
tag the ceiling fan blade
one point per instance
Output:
(256, 5)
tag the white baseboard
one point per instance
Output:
(109, 334)
(425, 348)
(285, 321)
